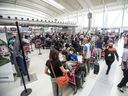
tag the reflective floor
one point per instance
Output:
(95, 85)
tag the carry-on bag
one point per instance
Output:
(96, 67)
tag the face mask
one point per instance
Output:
(71, 52)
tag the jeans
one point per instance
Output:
(109, 63)
(99, 52)
(87, 64)
(57, 91)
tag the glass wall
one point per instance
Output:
(112, 18)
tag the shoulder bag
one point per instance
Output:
(62, 80)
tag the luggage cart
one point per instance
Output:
(76, 76)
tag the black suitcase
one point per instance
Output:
(83, 68)
(96, 67)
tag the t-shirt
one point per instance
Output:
(125, 40)
(99, 44)
(86, 47)
(56, 67)
(125, 58)
(73, 57)
(125, 55)
(93, 38)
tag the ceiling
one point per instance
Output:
(42, 9)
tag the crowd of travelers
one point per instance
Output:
(91, 46)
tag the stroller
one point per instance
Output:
(76, 75)
(103, 53)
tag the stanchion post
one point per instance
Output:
(26, 91)
(21, 46)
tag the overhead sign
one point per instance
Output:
(13, 29)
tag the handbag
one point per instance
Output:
(62, 80)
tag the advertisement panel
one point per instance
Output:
(6, 71)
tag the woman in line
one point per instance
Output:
(110, 54)
(58, 70)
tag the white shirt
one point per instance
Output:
(93, 38)
(124, 58)
(125, 40)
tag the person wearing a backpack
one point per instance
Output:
(99, 46)
(110, 54)
(124, 67)
(58, 71)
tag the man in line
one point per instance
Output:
(86, 53)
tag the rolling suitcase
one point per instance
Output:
(96, 67)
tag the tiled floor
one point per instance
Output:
(95, 85)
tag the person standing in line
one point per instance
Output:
(58, 69)
(86, 53)
(124, 67)
(106, 38)
(110, 54)
(98, 46)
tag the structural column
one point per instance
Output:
(122, 24)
